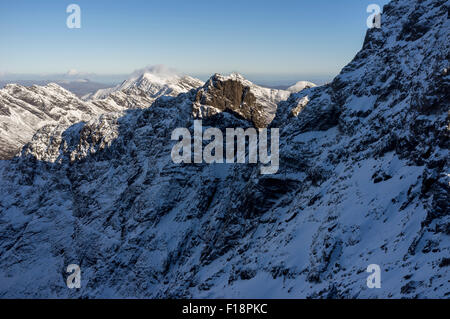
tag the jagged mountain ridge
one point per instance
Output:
(24, 110)
(363, 179)
(150, 84)
(154, 85)
(230, 100)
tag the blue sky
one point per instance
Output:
(265, 38)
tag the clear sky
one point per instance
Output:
(269, 38)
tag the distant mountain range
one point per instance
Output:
(78, 87)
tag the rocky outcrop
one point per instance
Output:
(239, 96)
(24, 110)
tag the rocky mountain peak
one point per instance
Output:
(235, 94)
(150, 83)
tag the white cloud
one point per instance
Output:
(159, 69)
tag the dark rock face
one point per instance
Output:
(231, 96)
(363, 179)
(236, 95)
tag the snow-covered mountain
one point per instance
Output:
(363, 179)
(80, 87)
(23, 110)
(233, 93)
(154, 85)
(150, 83)
(300, 86)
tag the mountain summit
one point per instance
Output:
(152, 82)
(233, 93)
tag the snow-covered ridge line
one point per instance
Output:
(152, 84)
(24, 110)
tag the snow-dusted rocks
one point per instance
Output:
(23, 110)
(301, 104)
(144, 86)
(363, 179)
